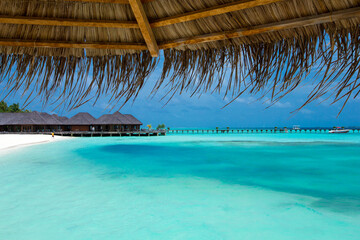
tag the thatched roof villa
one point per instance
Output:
(60, 118)
(70, 49)
(80, 122)
(111, 121)
(27, 119)
(44, 122)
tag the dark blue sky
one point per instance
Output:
(208, 111)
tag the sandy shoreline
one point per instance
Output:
(10, 141)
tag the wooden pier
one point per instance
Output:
(222, 131)
(112, 134)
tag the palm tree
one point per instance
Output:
(160, 126)
(3, 106)
(14, 108)
(149, 126)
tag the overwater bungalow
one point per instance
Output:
(81, 122)
(29, 122)
(117, 122)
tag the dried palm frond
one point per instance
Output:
(272, 63)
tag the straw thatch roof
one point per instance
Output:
(69, 48)
(5, 118)
(106, 119)
(133, 119)
(82, 118)
(31, 118)
(117, 118)
(60, 118)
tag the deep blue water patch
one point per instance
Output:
(327, 170)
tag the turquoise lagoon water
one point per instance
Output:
(249, 186)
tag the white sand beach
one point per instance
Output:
(8, 141)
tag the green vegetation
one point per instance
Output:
(161, 126)
(13, 108)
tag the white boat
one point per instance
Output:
(339, 130)
(296, 127)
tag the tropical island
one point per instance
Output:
(243, 85)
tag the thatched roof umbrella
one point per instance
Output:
(231, 45)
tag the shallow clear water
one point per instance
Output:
(230, 186)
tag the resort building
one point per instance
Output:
(81, 122)
(29, 122)
(117, 122)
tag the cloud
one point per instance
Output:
(306, 111)
(282, 105)
(247, 100)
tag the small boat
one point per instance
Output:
(296, 127)
(339, 130)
